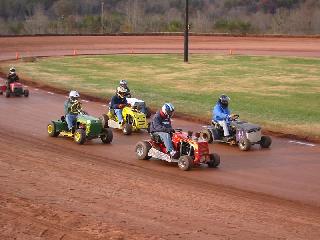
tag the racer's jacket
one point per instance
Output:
(12, 78)
(71, 107)
(116, 100)
(161, 123)
(219, 113)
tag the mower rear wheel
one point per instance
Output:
(104, 120)
(107, 135)
(244, 144)
(52, 130)
(142, 150)
(185, 163)
(206, 135)
(214, 160)
(127, 129)
(148, 112)
(265, 141)
(80, 136)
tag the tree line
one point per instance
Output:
(140, 16)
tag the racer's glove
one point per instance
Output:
(121, 106)
(171, 130)
(234, 116)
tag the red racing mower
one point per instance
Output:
(193, 150)
(15, 89)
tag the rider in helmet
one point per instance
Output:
(221, 114)
(72, 107)
(161, 125)
(12, 77)
(118, 102)
(124, 83)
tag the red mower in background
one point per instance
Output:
(15, 89)
(192, 150)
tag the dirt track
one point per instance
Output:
(55, 189)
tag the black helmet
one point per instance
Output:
(224, 100)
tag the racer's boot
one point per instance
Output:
(228, 138)
(174, 154)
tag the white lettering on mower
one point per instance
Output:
(303, 143)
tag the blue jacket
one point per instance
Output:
(116, 100)
(220, 113)
(160, 123)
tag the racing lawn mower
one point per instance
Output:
(133, 119)
(192, 150)
(15, 89)
(86, 128)
(243, 134)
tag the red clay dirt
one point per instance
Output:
(52, 188)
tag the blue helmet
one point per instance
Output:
(224, 100)
(168, 109)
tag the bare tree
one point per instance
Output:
(38, 23)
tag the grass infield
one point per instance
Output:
(280, 93)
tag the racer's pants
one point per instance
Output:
(71, 119)
(166, 138)
(225, 127)
(118, 112)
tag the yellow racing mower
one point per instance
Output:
(133, 120)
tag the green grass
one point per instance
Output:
(281, 93)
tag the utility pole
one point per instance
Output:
(186, 33)
(102, 16)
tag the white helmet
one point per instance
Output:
(74, 94)
(12, 70)
(123, 82)
(168, 109)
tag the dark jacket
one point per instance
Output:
(12, 78)
(161, 123)
(116, 100)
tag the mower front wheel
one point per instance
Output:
(244, 144)
(52, 131)
(142, 150)
(80, 136)
(185, 163)
(107, 135)
(214, 160)
(7, 94)
(127, 129)
(26, 93)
